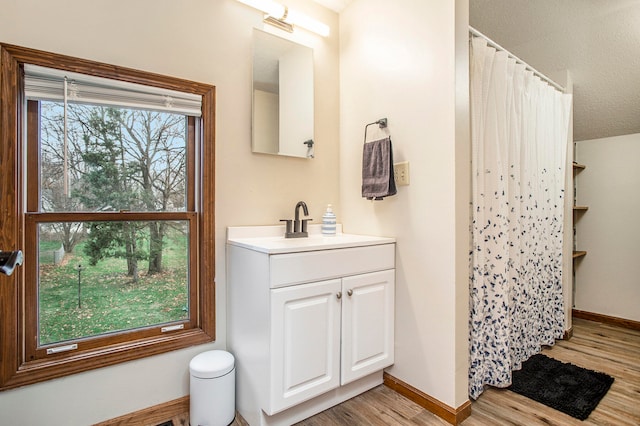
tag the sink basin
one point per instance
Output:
(270, 239)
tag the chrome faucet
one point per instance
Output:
(299, 228)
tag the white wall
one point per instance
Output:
(266, 121)
(296, 105)
(207, 41)
(607, 277)
(399, 61)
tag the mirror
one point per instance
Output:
(282, 96)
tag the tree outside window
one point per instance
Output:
(117, 226)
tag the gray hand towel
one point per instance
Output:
(377, 170)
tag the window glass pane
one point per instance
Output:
(103, 277)
(115, 159)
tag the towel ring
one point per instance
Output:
(382, 123)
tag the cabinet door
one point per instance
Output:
(305, 343)
(367, 324)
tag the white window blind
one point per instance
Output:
(48, 84)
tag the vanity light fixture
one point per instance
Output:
(284, 18)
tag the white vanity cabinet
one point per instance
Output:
(310, 327)
(305, 343)
(329, 333)
(367, 324)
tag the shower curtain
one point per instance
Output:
(519, 132)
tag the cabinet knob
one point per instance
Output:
(339, 295)
(350, 292)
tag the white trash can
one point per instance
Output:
(213, 389)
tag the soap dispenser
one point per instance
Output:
(329, 222)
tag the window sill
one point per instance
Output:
(46, 369)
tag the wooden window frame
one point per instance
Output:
(15, 369)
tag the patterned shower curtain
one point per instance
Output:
(519, 132)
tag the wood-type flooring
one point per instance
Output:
(611, 349)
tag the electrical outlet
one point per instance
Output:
(401, 173)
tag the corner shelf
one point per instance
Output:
(577, 167)
(579, 253)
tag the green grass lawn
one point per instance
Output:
(46, 251)
(110, 300)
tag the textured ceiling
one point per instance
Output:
(597, 41)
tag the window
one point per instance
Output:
(109, 191)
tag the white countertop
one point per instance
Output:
(271, 240)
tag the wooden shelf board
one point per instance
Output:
(579, 166)
(580, 253)
(584, 208)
